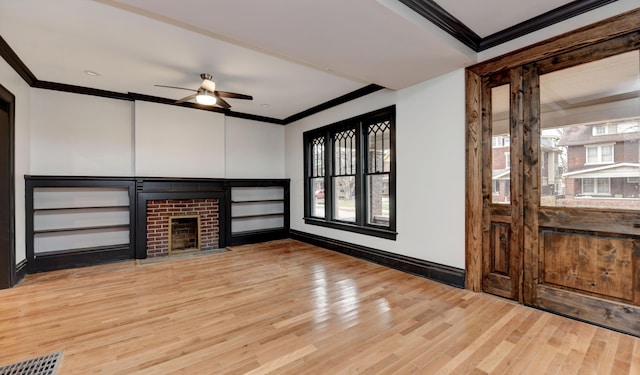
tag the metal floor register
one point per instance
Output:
(45, 365)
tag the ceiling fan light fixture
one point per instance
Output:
(205, 99)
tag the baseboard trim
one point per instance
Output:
(21, 270)
(438, 272)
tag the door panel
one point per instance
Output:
(497, 278)
(502, 268)
(592, 264)
(582, 209)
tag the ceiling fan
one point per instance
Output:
(207, 94)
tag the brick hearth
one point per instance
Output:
(159, 211)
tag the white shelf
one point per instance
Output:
(71, 218)
(257, 208)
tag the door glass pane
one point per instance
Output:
(500, 145)
(590, 119)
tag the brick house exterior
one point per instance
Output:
(602, 160)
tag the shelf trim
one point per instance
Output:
(81, 229)
(260, 201)
(259, 231)
(80, 208)
(257, 216)
(79, 250)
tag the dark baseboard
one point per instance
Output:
(80, 258)
(445, 274)
(21, 270)
(257, 236)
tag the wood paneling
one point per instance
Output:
(474, 183)
(516, 130)
(286, 307)
(596, 265)
(594, 309)
(531, 181)
(500, 239)
(604, 30)
(585, 219)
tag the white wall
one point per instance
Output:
(61, 133)
(175, 141)
(430, 143)
(16, 85)
(254, 149)
(80, 135)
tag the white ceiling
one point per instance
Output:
(290, 55)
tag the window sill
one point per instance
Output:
(369, 231)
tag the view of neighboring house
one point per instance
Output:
(594, 165)
(552, 164)
(501, 167)
(603, 168)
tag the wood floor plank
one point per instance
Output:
(286, 307)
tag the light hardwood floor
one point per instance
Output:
(285, 307)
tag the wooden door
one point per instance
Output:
(582, 191)
(502, 186)
(572, 225)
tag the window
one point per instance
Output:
(599, 154)
(604, 129)
(352, 164)
(500, 141)
(596, 186)
(507, 160)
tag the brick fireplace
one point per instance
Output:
(195, 209)
(176, 226)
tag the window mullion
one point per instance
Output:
(328, 173)
(361, 193)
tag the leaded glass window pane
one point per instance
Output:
(344, 146)
(378, 170)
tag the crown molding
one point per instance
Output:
(333, 102)
(14, 61)
(444, 20)
(447, 22)
(549, 18)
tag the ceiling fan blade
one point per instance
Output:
(222, 103)
(233, 95)
(186, 99)
(175, 87)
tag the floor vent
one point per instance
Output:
(45, 365)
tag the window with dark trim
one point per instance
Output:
(350, 174)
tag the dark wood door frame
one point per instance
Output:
(475, 223)
(7, 190)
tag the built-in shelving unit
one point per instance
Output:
(259, 210)
(78, 221)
